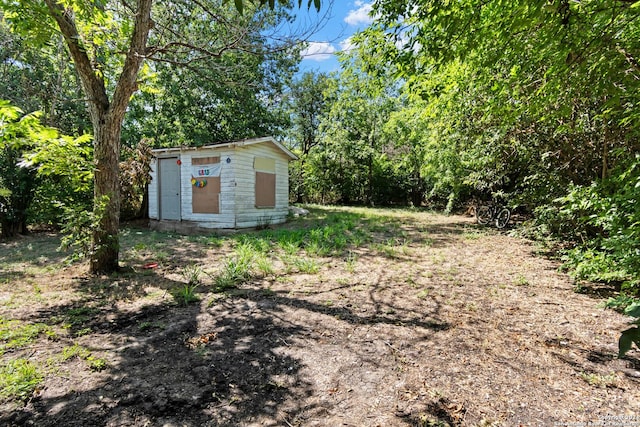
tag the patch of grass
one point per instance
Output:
(16, 334)
(19, 378)
(83, 331)
(192, 274)
(598, 380)
(237, 269)
(306, 265)
(145, 326)
(423, 293)
(390, 248)
(521, 280)
(256, 244)
(77, 351)
(160, 256)
(473, 234)
(185, 294)
(264, 265)
(289, 247)
(79, 316)
(351, 262)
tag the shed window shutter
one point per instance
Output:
(206, 193)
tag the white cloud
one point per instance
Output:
(347, 44)
(318, 51)
(359, 15)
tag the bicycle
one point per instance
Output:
(493, 212)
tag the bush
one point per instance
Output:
(603, 220)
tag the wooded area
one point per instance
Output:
(438, 104)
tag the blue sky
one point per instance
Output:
(339, 20)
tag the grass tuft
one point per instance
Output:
(19, 378)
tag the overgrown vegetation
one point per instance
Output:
(551, 136)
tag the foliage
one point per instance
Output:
(42, 170)
(135, 176)
(18, 379)
(109, 43)
(185, 294)
(78, 226)
(308, 102)
(43, 80)
(556, 134)
(17, 179)
(603, 219)
(77, 351)
(65, 170)
(192, 274)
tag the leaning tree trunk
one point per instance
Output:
(105, 240)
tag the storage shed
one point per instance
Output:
(240, 184)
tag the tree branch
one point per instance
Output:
(94, 86)
(137, 53)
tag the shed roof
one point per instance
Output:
(239, 143)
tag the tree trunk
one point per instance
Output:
(300, 190)
(106, 117)
(105, 239)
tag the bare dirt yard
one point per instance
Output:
(347, 317)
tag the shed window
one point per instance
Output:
(205, 185)
(265, 170)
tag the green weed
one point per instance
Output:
(423, 293)
(77, 351)
(237, 269)
(192, 274)
(79, 316)
(521, 280)
(598, 380)
(16, 334)
(306, 265)
(19, 378)
(185, 294)
(145, 326)
(264, 265)
(350, 262)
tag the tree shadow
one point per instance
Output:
(185, 366)
(38, 251)
(222, 364)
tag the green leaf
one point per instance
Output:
(633, 310)
(239, 6)
(628, 337)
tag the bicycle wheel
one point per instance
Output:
(484, 214)
(502, 218)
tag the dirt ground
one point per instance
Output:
(453, 326)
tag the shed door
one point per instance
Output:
(169, 188)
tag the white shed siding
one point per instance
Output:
(247, 215)
(153, 191)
